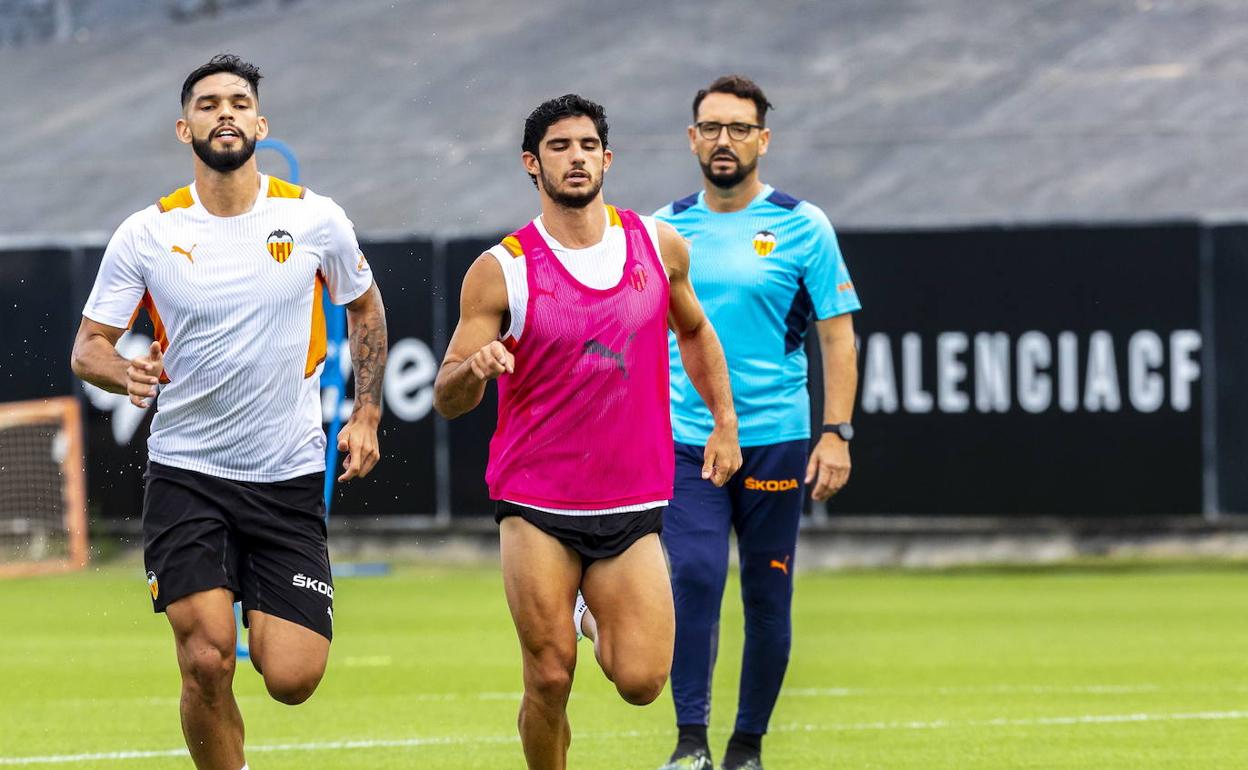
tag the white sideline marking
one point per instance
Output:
(797, 692)
(1085, 719)
(368, 661)
(451, 740)
(171, 700)
(1003, 689)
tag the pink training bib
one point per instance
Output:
(584, 421)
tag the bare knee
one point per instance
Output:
(207, 670)
(640, 686)
(292, 687)
(548, 676)
(290, 657)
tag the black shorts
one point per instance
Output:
(592, 537)
(264, 542)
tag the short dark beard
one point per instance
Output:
(729, 180)
(224, 161)
(577, 200)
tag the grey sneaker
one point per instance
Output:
(698, 760)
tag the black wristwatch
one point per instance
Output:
(842, 429)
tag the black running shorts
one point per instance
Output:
(592, 537)
(265, 542)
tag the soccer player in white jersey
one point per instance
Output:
(231, 269)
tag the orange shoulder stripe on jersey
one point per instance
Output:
(512, 244)
(158, 326)
(613, 217)
(178, 199)
(318, 338)
(280, 188)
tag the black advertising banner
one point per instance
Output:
(1035, 371)
(1065, 371)
(1002, 371)
(1028, 371)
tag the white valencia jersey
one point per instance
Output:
(236, 303)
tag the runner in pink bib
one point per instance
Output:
(584, 421)
(571, 315)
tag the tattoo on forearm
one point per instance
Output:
(368, 355)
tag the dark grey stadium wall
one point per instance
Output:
(1032, 371)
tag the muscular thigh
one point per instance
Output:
(631, 598)
(540, 577)
(279, 646)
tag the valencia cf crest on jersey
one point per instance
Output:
(280, 244)
(153, 585)
(764, 242)
(638, 278)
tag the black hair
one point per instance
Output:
(223, 62)
(554, 110)
(740, 86)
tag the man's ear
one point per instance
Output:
(182, 130)
(532, 165)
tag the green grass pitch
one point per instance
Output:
(1083, 667)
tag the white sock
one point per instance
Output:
(244, 767)
(578, 613)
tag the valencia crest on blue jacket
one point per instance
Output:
(764, 242)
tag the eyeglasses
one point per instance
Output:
(709, 129)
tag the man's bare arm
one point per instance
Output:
(703, 358)
(95, 360)
(366, 334)
(475, 356)
(366, 331)
(840, 367)
(829, 466)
